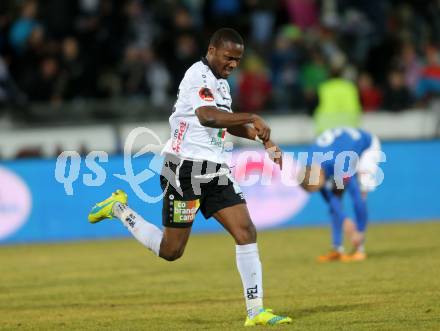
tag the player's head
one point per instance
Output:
(312, 178)
(225, 51)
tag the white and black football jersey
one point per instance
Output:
(189, 139)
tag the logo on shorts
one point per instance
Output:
(185, 211)
(206, 94)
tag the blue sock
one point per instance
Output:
(360, 205)
(337, 230)
(338, 216)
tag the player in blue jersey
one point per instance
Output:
(344, 159)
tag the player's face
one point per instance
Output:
(226, 58)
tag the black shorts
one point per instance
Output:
(192, 185)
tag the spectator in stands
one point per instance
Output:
(5, 21)
(58, 17)
(397, 96)
(22, 27)
(221, 11)
(285, 60)
(141, 28)
(411, 66)
(254, 86)
(47, 84)
(313, 73)
(186, 52)
(262, 22)
(370, 94)
(429, 83)
(4, 77)
(108, 38)
(26, 65)
(195, 11)
(182, 22)
(303, 13)
(328, 39)
(103, 30)
(9, 92)
(73, 70)
(158, 79)
(132, 72)
(339, 103)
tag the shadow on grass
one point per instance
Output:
(299, 313)
(403, 252)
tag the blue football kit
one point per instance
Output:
(344, 142)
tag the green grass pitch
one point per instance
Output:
(119, 285)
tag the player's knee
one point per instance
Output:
(171, 254)
(246, 234)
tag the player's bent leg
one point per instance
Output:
(237, 221)
(173, 243)
(146, 233)
(169, 244)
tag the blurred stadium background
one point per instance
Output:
(79, 75)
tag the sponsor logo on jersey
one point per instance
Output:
(218, 139)
(185, 211)
(179, 135)
(221, 133)
(206, 94)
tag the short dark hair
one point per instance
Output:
(224, 35)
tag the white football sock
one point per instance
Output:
(339, 249)
(249, 266)
(146, 233)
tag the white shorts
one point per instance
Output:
(368, 166)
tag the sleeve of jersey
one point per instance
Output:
(201, 90)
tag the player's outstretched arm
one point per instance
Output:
(212, 117)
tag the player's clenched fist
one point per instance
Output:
(274, 152)
(263, 130)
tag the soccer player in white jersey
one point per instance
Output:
(195, 177)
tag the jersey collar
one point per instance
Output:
(205, 62)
